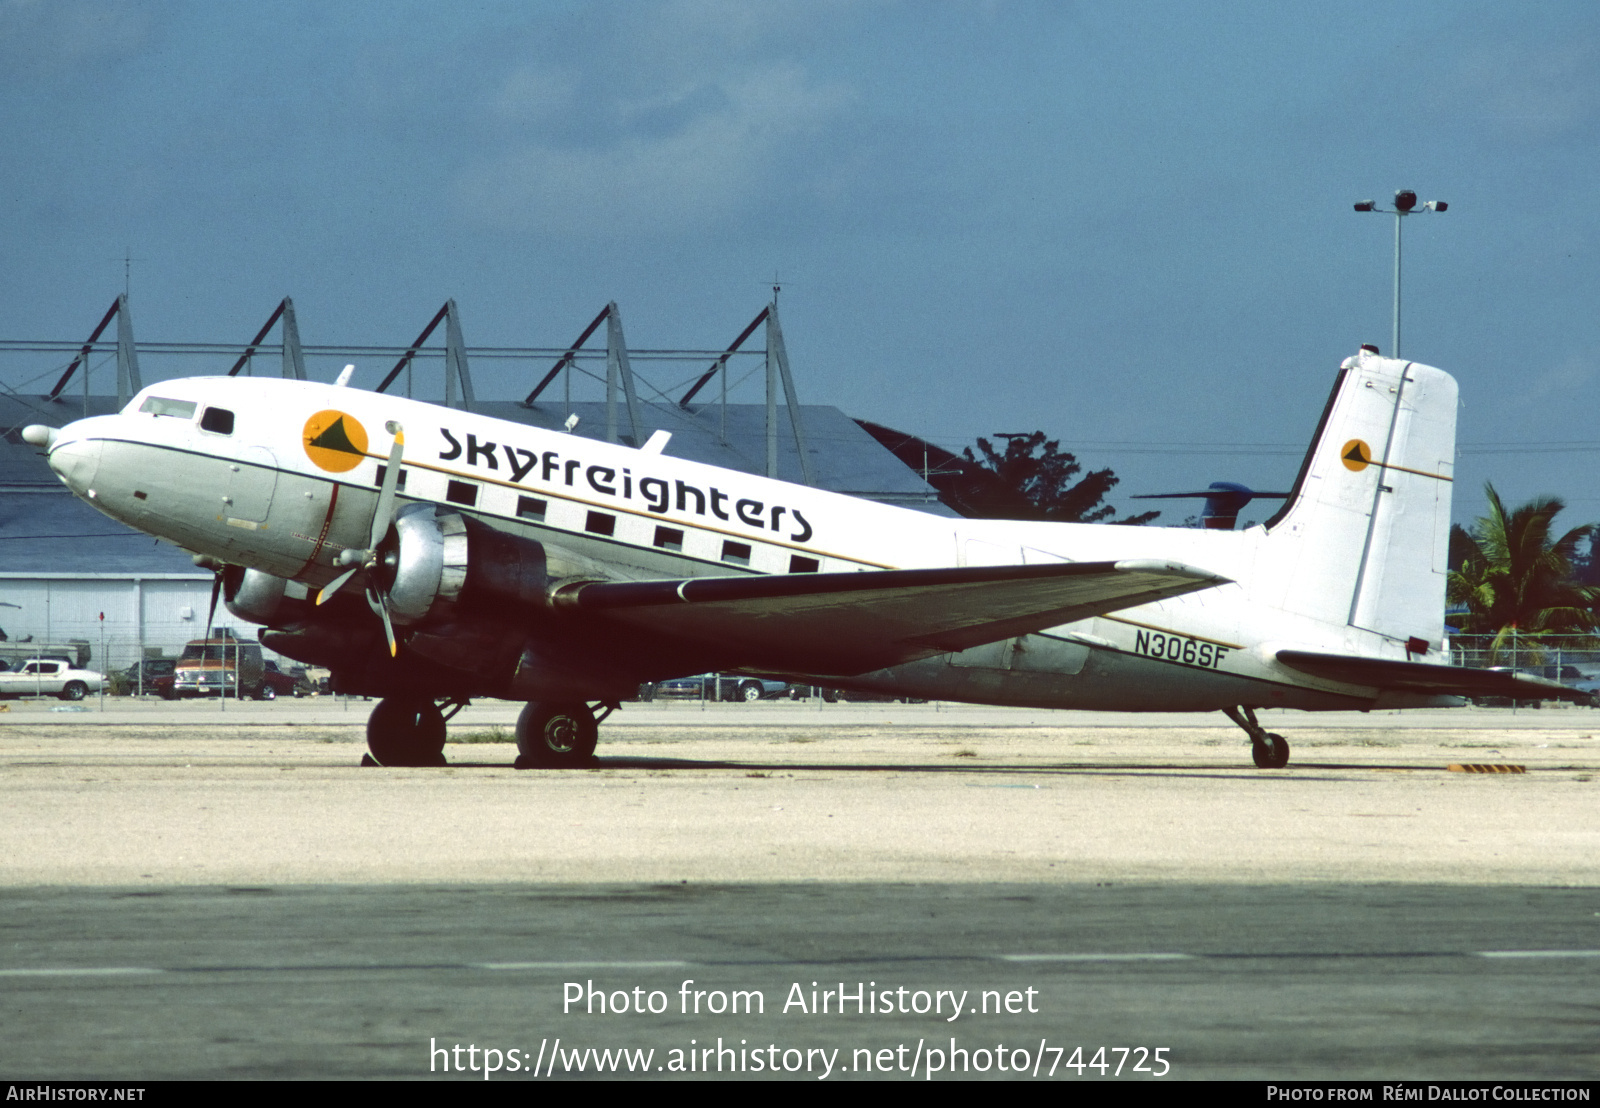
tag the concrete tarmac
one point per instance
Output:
(183, 895)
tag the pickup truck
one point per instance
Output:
(50, 677)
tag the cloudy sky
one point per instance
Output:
(1128, 225)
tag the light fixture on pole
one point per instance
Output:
(1405, 203)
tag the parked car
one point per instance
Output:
(318, 680)
(751, 689)
(303, 683)
(1576, 677)
(729, 687)
(156, 678)
(276, 683)
(50, 677)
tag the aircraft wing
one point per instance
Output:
(847, 623)
(1424, 677)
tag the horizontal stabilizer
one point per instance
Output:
(845, 623)
(1426, 678)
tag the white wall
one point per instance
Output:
(162, 611)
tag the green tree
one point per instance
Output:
(1517, 581)
(1033, 478)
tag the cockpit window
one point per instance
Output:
(219, 420)
(160, 405)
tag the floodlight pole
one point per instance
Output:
(1394, 345)
(1405, 203)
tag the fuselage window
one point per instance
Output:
(669, 538)
(219, 421)
(531, 507)
(797, 564)
(599, 523)
(160, 405)
(736, 553)
(462, 492)
(383, 471)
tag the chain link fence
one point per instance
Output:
(116, 658)
(1558, 657)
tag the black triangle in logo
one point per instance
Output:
(335, 438)
(1357, 453)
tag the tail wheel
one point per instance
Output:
(406, 733)
(556, 736)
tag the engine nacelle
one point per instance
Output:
(434, 561)
(262, 598)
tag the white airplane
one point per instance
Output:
(427, 555)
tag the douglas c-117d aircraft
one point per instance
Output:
(427, 555)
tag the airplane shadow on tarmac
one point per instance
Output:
(1297, 772)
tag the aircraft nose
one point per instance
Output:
(76, 462)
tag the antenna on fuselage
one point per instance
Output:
(344, 376)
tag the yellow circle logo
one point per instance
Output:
(335, 441)
(1356, 455)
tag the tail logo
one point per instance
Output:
(335, 441)
(1356, 455)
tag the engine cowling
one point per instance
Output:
(425, 562)
(434, 562)
(262, 598)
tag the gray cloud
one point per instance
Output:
(678, 158)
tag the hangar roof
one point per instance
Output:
(50, 531)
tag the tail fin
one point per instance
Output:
(1364, 538)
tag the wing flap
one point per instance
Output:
(1427, 678)
(844, 623)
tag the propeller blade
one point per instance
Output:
(216, 591)
(367, 559)
(391, 480)
(379, 602)
(335, 585)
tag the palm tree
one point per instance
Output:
(1517, 584)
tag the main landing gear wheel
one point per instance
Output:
(1268, 751)
(1272, 752)
(556, 736)
(406, 733)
